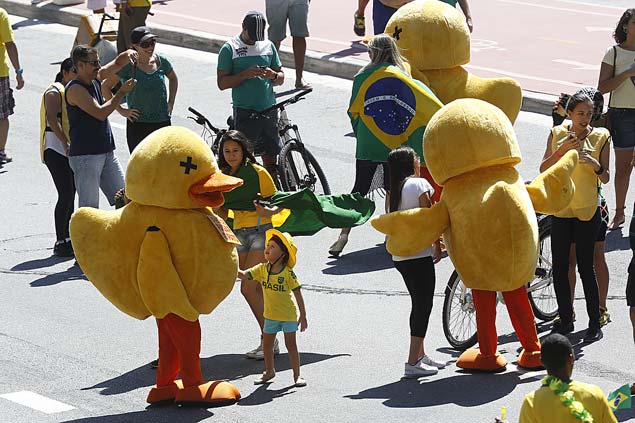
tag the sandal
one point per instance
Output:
(300, 383)
(264, 378)
(302, 85)
(336, 249)
(615, 224)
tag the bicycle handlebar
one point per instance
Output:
(299, 96)
(202, 120)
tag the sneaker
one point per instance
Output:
(605, 318)
(259, 354)
(413, 371)
(359, 26)
(5, 158)
(593, 335)
(63, 249)
(254, 352)
(562, 328)
(154, 364)
(300, 383)
(336, 249)
(432, 363)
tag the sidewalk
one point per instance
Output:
(326, 56)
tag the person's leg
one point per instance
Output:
(299, 28)
(186, 337)
(572, 267)
(294, 356)
(7, 103)
(127, 22)
(267, 347)
(63, 180)
(277, 12)
(585, 234)
(381, 16)
(252, 291)
(601, 272)
(623, 169)
(112, 177)
(361, 7)
(522, 318)
(4, 133)
(359, 22)
(168, 368)
(561, 238)
(87, 174)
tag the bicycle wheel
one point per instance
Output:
(542, 296)
(296, 173)
(459, 318)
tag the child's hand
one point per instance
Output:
(303, 323)
(586, 158)
(436, 252)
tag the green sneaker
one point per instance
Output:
(359, 27)
(605, 318)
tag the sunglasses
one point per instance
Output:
(148, 43)
(94, 63)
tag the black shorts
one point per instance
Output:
(261, 130)
(365, 182)
(630, 290)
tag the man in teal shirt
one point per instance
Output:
(249, 65)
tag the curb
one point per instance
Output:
(321, 63)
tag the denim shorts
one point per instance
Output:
(623, 128)
(252, 238)
(275, 326)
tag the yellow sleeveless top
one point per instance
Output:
(585, 200)
(43, 123)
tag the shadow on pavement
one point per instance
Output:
(29, 22)
(70, 274)
(40, 263)
(262, 395)
(363, 261)
(222, 366)
(615, 241)
(167, 414)
(409, 393)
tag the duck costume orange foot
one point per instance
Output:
(166, 254)
(487, 217)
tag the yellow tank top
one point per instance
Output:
(43, 123)
(585, 200)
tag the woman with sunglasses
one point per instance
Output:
(150, 104)
(54, 144)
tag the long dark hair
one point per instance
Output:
(578, 98)
(245, 145)
(401, 164)
(619, 34)
(66, 66)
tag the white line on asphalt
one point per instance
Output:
(599, 28)
(564, 9)
(520, 75)
(578, 65)
(37, 402)
(232, 25)
(590, 4)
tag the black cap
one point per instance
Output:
(255, 23)
(141, 34)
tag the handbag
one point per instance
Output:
(605, 119)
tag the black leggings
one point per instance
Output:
(564, 231)
(418, 274)
(364, 172)
(65, 185)
(137, 131)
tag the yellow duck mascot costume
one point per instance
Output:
(435, 39)
(166, 254)
(487, 217)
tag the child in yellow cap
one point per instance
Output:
(278, 282)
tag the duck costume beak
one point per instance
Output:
(209, 190)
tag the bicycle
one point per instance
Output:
(459, 317)
(297, 167)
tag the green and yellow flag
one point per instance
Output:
(620, 398)
(389, 108)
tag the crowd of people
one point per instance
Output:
(77, 146)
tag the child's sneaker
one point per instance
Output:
(418, 370)
(5, 158)
(359, 27)
(433, 363)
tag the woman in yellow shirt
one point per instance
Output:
(580, 221)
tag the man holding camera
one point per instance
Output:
(249, 65)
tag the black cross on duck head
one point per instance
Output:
(188, 165)
(397, 32)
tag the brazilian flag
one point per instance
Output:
(389, 108)
(620, 398)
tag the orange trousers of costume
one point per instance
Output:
(520, 313)
(179, 351)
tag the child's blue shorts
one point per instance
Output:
(275, 326)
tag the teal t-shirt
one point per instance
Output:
(235, 56)
(450, 2)
(150, 95)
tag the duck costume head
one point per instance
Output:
(166, 254)
(435, 39)
(487, 217)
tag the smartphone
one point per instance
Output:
(134, 70)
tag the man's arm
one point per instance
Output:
(12, 51)
(80, 97)
(465, 7)
(226, 80)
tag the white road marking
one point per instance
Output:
(578, 65)
(37, 402)
(564, 9)
(599, 29)
(520, 75)
(576, 2)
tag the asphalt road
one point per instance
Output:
(60, 339)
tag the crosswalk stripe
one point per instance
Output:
(37, 402)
